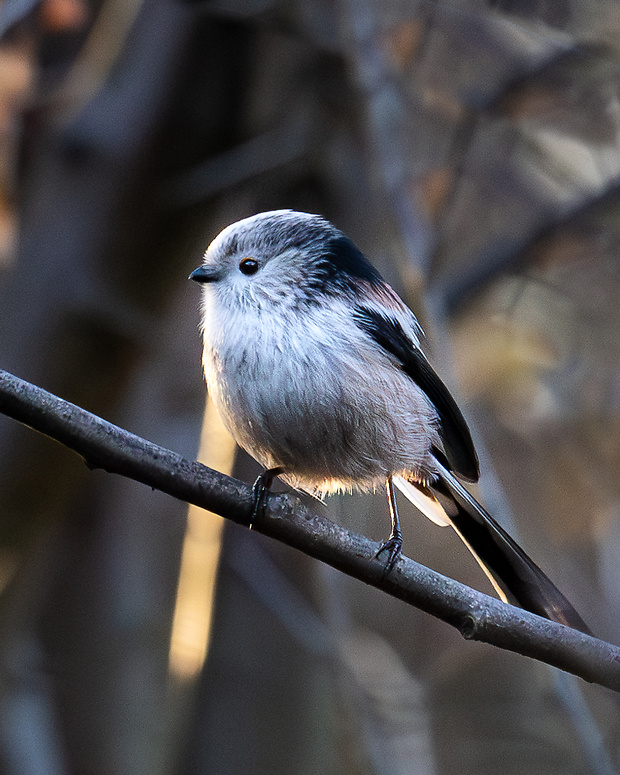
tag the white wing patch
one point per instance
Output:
(427, 505)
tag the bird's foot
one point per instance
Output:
(260, 492)
(393, 546)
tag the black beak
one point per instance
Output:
(205, 274)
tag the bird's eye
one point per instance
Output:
(248, 266)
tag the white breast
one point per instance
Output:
(307, 390)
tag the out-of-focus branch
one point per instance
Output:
(502, 257)
(475, 615)
(267, 151)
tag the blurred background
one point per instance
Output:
(472, 150)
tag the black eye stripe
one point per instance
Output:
(248, 266)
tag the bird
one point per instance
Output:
(316, 367)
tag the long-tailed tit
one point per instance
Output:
(315, 366)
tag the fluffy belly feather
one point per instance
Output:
(315, 415)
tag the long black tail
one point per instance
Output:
(521, 580)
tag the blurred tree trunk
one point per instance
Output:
(83, 313)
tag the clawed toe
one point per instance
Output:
(393, 547)
(260, 492)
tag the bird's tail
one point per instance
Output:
(514, 575)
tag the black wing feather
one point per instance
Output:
(521, 579)
(453, 430)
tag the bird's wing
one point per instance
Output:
(514, 575)
(389, 334)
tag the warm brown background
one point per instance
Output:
(472, 150)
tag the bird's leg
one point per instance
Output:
(260, 491)
(394, 543)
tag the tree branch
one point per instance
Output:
(475, 615)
